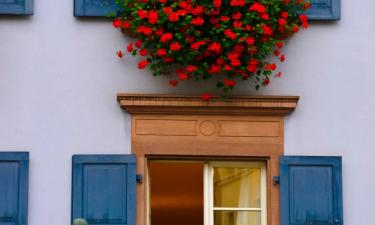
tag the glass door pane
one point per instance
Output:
(237, 218)
(237, 187)
(176, 193)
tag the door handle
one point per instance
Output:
(337, 222)
(79, 221)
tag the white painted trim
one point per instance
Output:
(147, 189)
(263, 194)
(236, 164)
(206, 189)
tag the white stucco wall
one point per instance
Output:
(59, 77)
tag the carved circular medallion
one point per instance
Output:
(207, 128)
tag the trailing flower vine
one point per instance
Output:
(232, 39)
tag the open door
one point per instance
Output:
(310, 190)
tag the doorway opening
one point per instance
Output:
(207, 193)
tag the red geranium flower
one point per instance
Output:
(240, 3)
(144, 30)
(197, 21)
(250, 41)
(153, 16)
(173, 83)
(142, 64)
(265, 16)
(126, 25)
(236, 15)
(197, 45)
(229, 83)
(175, 46)
(279, 44)
(130, 47)
(166, 37)
(282, 58)
(159, 31)
(230, 34)
(236, 62)
(168, 59)
(252, 66)
(143, 52)
(197, 10)
(282, 22)
(181, 12)
(237, 24)
(138, 43)
(228, 68)
(142, 13)
(284, 14)
(215, 47)
(258, 7)
(267, 30)
(303, 19)
(206, 96)
(224, 18)
(173, 17)
(161, 52)
(214, 69)
(270, 66)
(120, 54)
(217, 3)
(117, 23)
(191, 68)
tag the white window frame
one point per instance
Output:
(209, 208)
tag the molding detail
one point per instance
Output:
(194, 105)
(180, 126)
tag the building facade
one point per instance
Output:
(59, 80)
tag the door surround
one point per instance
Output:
(183, 126)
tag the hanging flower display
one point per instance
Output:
(232, 39)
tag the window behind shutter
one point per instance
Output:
(104, 189)
(14, 173)
(94, 7)
(324, 10)
(16, 6)
(310, 191)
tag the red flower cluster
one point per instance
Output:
(230, 39)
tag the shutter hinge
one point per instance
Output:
(276, 180)
(139, 178)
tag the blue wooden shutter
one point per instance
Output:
(310, 190)
(14, 179)
(16, 6)
(104, 189)
(324, 10)
(94, 7)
